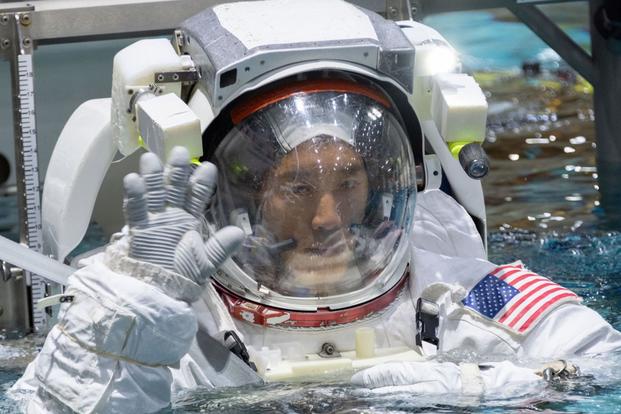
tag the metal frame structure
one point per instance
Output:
(23, 25)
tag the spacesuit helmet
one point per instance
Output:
(320, 176)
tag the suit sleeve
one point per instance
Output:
(112, 347)
(572, 330)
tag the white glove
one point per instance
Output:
(502, 379)
(163, 211)
(129, 317)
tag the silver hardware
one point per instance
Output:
(179, 76)
(328, 350)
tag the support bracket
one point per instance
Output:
(550, 33)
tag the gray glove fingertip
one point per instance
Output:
(203, 185)
(134, 202)
(198, 261)
(153, 174)
(223, 243)
(177, 174)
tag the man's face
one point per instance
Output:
(313, 196)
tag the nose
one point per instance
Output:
(327, 216)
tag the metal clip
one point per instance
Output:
(397, 10)
(237, 347)
(151, 90)
(179, 41)
(179, 76)
(54, 300)
(7, 271)
(427, 322)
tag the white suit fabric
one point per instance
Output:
(119, 343)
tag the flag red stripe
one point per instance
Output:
(501, 268)
(536, 278)
(543, 308)
(535, 302)
(521, 300)
(509, 273)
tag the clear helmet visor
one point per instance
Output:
(323, 184)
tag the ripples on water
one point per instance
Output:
(543, 208)
(596, 390)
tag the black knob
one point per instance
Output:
(474, 161)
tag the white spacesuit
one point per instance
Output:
(338, 265)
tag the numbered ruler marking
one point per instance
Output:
(31, 178)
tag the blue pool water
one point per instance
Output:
(543, 208)
(487, 44)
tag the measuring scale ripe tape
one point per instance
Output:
(30, 166)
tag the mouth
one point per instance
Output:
(326, 250)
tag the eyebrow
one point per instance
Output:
(293, 175)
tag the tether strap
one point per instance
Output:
(471, 382)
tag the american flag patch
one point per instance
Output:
(516, 298)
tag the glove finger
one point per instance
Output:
(177, 174)
(199, 261)
(153, 175)
(134, 201)
(202, 187)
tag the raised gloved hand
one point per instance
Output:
(129, 317)
(163, 209)
(432, 377)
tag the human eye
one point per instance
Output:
(298, 189)
(349, 184)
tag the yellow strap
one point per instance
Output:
(456, 146)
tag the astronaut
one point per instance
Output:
(301, 247)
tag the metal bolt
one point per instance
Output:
(328, 348)
(160, 78)
(25, 19)
(4, 19)
(175, 77)
(5, 43)
(27, 42)
(414, 10)
(393, 11)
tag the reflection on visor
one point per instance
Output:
(326, 183)
(362, 250)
